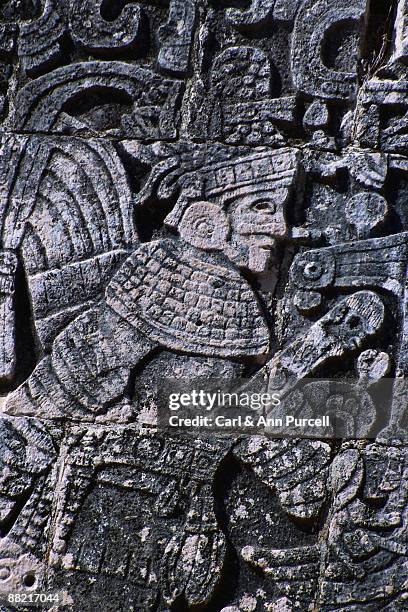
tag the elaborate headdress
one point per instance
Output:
(214, 173)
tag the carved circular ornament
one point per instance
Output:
(366, 211)
(313, 270)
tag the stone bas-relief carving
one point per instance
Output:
(215, 189)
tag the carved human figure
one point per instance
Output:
(185, 293)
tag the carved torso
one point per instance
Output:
(187, 300)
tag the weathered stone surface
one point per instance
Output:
(214, 189)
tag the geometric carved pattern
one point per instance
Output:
(202, 189)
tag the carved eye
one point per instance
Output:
(354, 321)
(263, 205)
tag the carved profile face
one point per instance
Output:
(247, 229)
(257, 222)
(351, 321)
(237, 206)
(257, 219)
